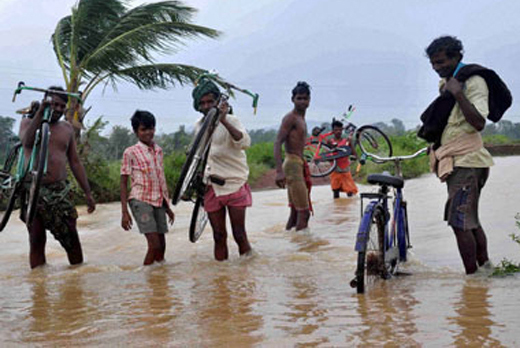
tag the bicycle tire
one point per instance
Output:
(318, 168)
(199, 220)
(403, 237)
(373, 141)
(9, 187)
(195, 156)
(371, 260)
(37, 174)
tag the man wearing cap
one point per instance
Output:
(226, 172)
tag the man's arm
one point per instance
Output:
(281, 138)
(126, 219)
(470, 112)
(28, 126)
(79, 173)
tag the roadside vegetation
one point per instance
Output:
(101, 150)
(506, 266)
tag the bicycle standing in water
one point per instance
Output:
(220, 185)
(383, 239)
(40, 177)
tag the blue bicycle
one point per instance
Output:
(383, 239)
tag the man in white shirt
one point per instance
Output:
(226, 172)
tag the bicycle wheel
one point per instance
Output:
(318, 166)
(371, 261)
(199, 220)
(372, 141)
(36, 175)
(195, 156)
(9, 187)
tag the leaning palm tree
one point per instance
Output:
(104, 42)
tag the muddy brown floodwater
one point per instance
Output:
(293, 292)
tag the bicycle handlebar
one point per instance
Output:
(377, 159)
(21, 87)
(230, 86)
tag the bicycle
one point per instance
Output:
(321, 157)
(190, 186)
(15, 171)
(383, 239)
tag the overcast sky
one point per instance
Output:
(367, 53)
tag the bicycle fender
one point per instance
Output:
(364, 226)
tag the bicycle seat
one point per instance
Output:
(385, 178)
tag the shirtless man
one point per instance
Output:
(292, 133)
(55, 211)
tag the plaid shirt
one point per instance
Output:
(144, 165)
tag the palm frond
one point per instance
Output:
(60, 43)
(91, 20)
(158, 27)
(157, 75)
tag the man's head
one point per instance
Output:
(445, 53)
(143, 124)
(58, 102)
(205, 96)
(301, 96)
(337, 128)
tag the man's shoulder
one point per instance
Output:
(291, 117)
(476, 81)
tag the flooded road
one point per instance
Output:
(293, 292)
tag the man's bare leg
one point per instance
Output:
(303, 219)
(159, 257)
(238, 218)
(154, 248)
(218, 224)
(293, 216)
(37, 241)
(467, 249)
(75, 253)
(481, 241)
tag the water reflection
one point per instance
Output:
(156, 313)
(305, 316)
(226, 308)
(474, 318)
(387, 315)
(59, 311)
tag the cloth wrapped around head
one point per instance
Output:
(204, 87)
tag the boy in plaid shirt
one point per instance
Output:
(148, 198)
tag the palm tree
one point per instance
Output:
(104, 42)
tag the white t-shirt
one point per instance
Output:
(227, 157)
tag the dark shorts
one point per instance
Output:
(464, 186)
(55, 210)
(149, 219)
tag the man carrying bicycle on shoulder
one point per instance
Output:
(55, 208)
(226, 171)
(341, 179)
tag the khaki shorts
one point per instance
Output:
(297, 191)
(149, 219)
(464, 186)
